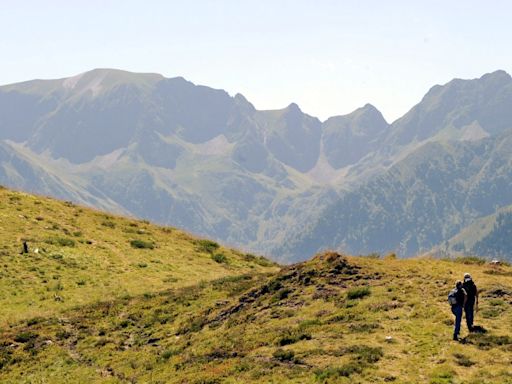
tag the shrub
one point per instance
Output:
(358, 293)
(443, 375)
(167, 354)
(108, 224)
(220, 258)
(141, 244)
(365, 353)
(485, 341)
(282, 294)
(470, 260)
(260, 260)
(282, 355)
(292, 337)
(346, 370)
(62, 241)
(34, 321)
(207, 246)
(363, 327)
(25, 337)
(463, 360)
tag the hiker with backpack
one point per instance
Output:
(457, 299)
(472, 300)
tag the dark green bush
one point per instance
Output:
(292, 337)
(346, 370)
(282, 355)
(62, 241)
(141, 244)
(108, 224)
(25, 337)
(220, 258)
(358, 293)
(207, 246)
(470, 260)
(463, 360)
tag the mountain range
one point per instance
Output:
(279, 182)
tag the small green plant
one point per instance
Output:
(346, 370)
(220, 258)
(470, 260)
(463, 360)
(292, 337)
(108, 224)
(141, 244)
(207, 246)
(442, 375)
(358, 293)
(282, 355)
(25, 337)
(168, 353)
(62, 241)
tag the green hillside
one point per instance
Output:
(333, 319)
(106, 299)
(78, 256)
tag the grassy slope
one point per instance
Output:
(85, 256)
(325, 320)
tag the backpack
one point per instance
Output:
(452, 297)
(470, 288)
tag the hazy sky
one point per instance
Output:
(329, 57)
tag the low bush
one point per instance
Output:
(220, 258)
(207, 246)
(292, 337)
(25, 337)
(486, 341)
(62, 241)
(463, 360)
(469, 260)
(282, 355)
(141, 244)
(346, 370)
(108, 224)
(358, 293)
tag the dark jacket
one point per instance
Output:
(471, 290)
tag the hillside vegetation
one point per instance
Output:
(78, 256)
(333, 319)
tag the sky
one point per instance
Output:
(329, 57)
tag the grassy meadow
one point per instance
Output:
(136, 303)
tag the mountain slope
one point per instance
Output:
(79, 256)
(195, 157)
(421, 200)
(332, 319)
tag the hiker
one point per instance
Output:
(457, 298)
(25, 248)
(472, 300)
